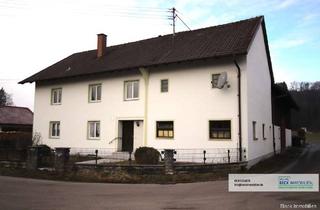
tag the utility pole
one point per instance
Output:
(173, 18)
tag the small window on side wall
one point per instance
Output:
(254, 131)
(263, 132)
(215, 78)
(54, 129)
(220, 129)
(56, 95)
(94, 130)
(165, 129)
(95, 93)
(164, 85)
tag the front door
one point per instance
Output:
(127, 136)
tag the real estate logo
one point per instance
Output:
(288, 182)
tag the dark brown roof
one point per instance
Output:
(15, 115)
(281, 94)
(217, 41)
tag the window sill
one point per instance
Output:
(95, 101)
(54, 137)
(220, 139)
(93, 139)
(164, 138)
(255, 139)
(131, 99)
(55, 103)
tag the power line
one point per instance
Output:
(173, 18)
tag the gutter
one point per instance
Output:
(145, 75)
(239, 107)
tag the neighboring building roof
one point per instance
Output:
(15, 115)
(282, 94)
(212, 42)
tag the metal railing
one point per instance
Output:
(203, 156)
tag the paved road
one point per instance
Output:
(308, 162)
(29, 194)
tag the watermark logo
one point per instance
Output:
(288, 182)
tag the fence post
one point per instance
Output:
(228, 156)
(169, 161)
(96, 157)
(204, 157)
(130, 157)
(61, 158)
(33, 158)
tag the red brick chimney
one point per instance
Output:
(102, 45)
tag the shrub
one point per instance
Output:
(147, 155)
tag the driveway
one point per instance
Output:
(29, 194)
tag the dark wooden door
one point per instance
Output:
(127, 136)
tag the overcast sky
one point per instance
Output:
(37, 33)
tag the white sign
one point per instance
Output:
(273, 182)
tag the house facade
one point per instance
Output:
(164, 92)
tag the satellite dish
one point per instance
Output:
(222, 80)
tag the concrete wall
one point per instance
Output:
(259, 99)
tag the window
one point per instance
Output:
(164, 85)
(95, 93)
(56, 95)
(165, 129)
(220, 129)
(215, 78)
(254, 123)
(55, 129)
(131, 90)
(94, 129)
(263, 132)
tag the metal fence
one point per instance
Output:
(213, 155)
(204, 156)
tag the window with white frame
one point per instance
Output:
(131, 90)
(95, 93)
(54, 129)
(164, 85)
(94, 129)
(56, 95)
(254, 131)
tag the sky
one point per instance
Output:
(37, 33)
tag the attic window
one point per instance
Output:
(215, 78)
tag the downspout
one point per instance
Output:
(145, 75)
(239, 107)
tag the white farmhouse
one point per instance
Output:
(201, 89)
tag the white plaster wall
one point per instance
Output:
(75, 111)
(288, 138)
(277, 138)
(137, 135)
(258, 98)
(191, 102)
